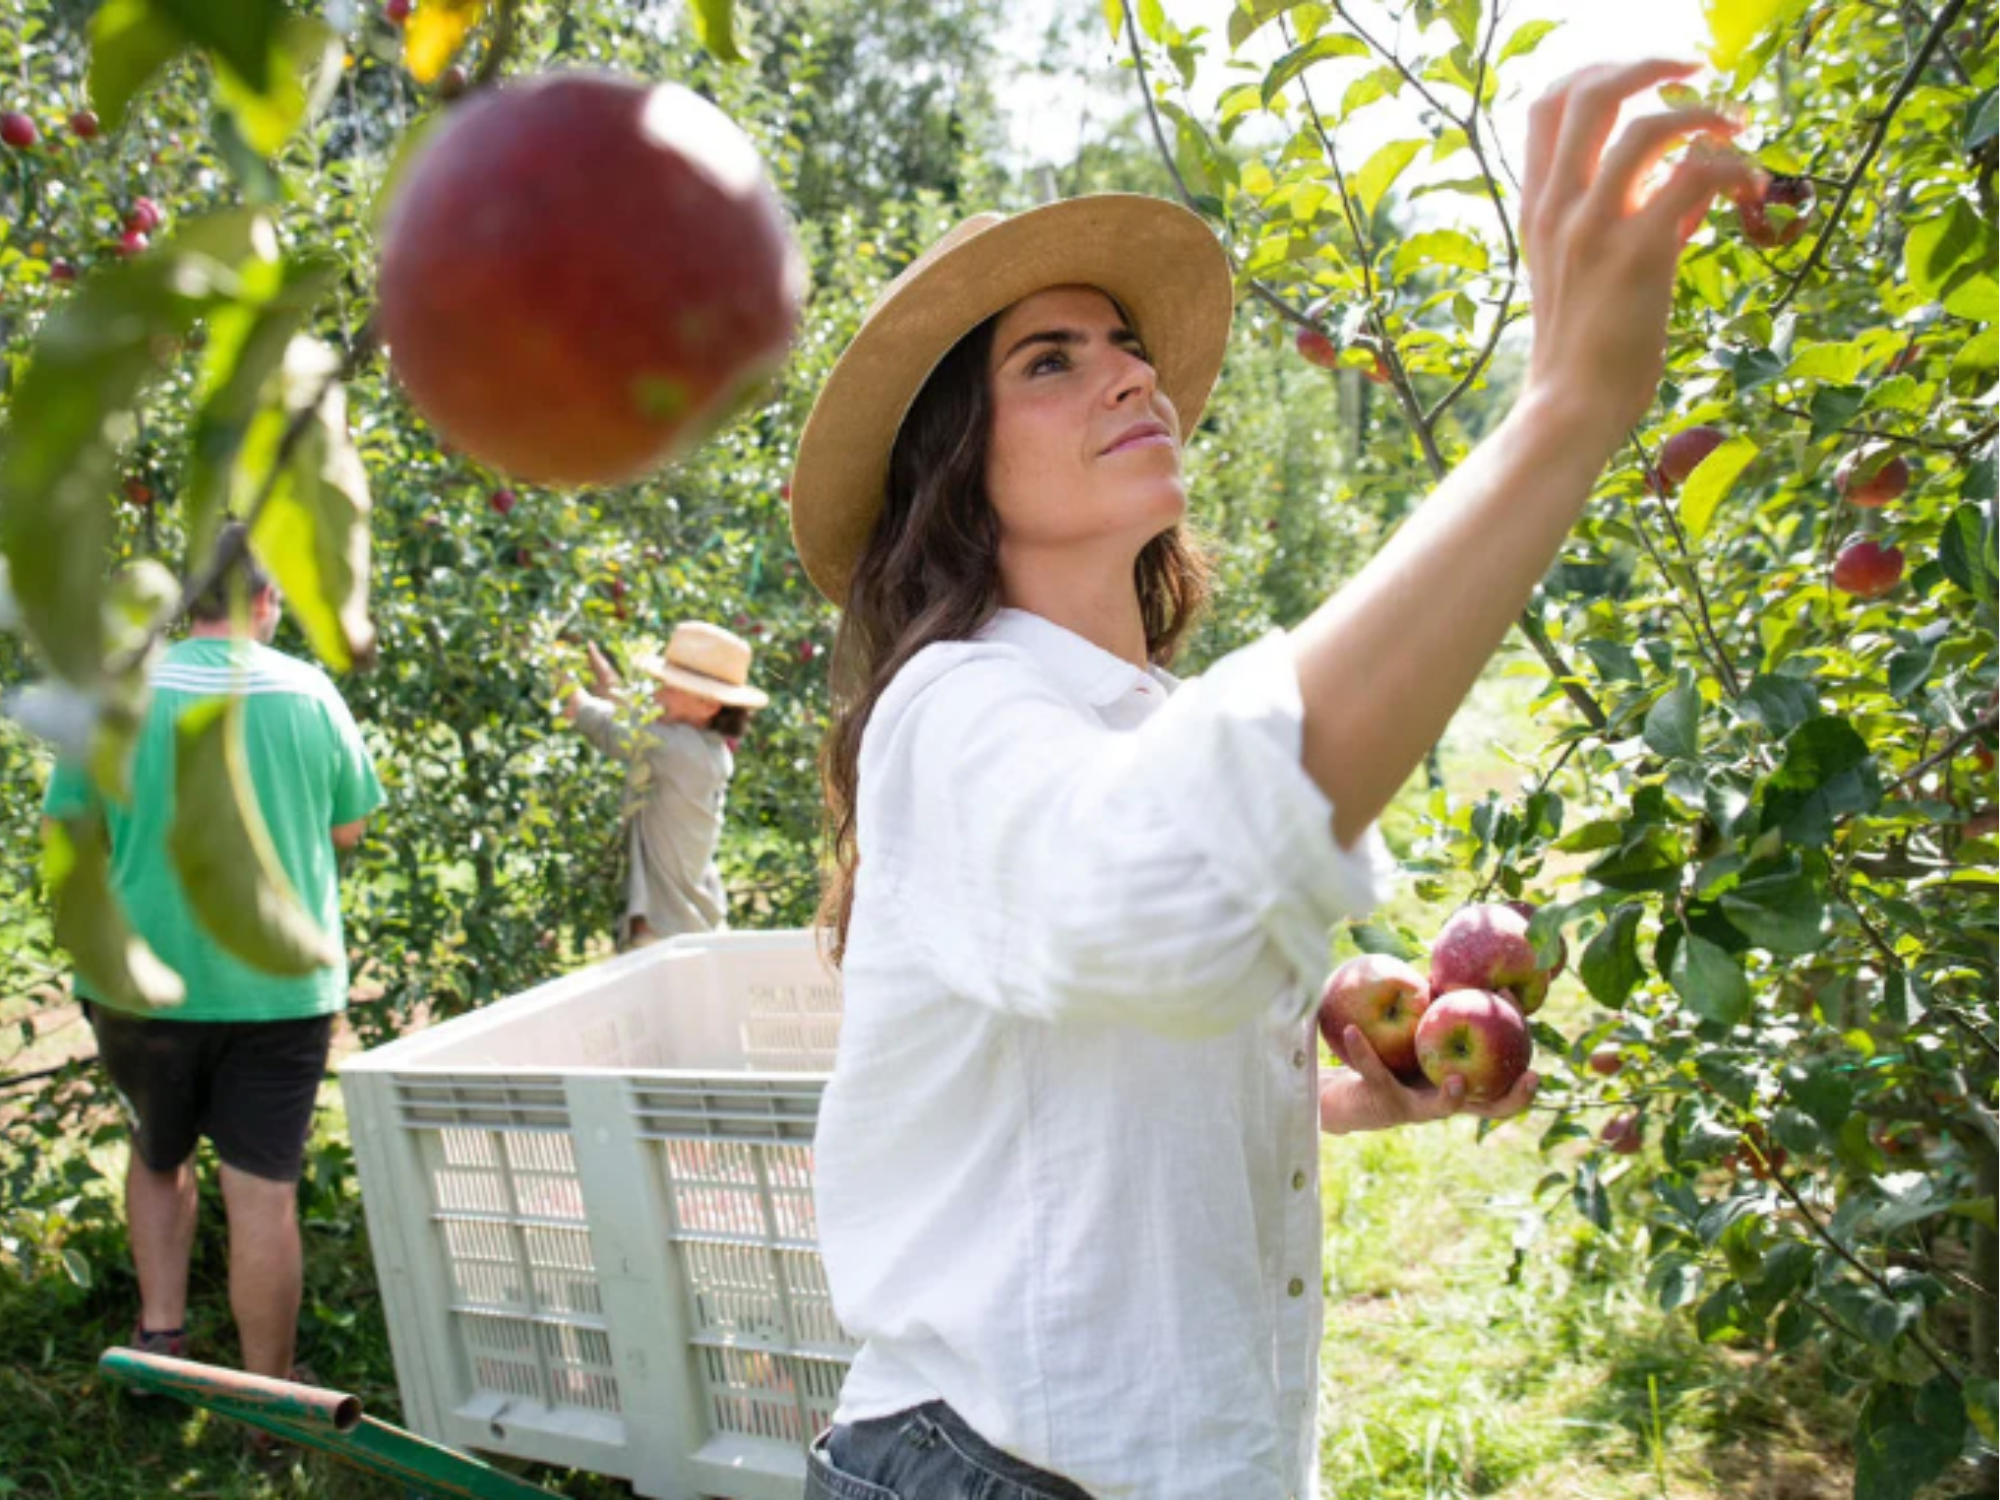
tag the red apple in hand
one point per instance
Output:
(1867, 569)
(1487, 948)
(1871, 477)
(582, 273)
(1680, 454)
(1317, 348)
(1385, 998)
(1477, 1036)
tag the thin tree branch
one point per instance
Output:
(1911, 74)
(1965, 737)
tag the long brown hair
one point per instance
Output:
(931, 572)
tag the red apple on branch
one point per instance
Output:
(1867, 569)
(1624, 1133)
(1775, 213)
(1385, 998)
(1606, 1061)
(1871, 477)
(1486, 948)
(1475, 1035)
(17, 130)
(84, 125)
(1317, 348)
(1680, 454)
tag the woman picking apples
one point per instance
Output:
(1067, 1163)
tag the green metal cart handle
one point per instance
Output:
(331, 1421)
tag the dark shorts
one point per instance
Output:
(926, 1453)
(249, 1086)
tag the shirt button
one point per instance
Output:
(1297, 1288)
(1298, 1180)
(1299, 1058)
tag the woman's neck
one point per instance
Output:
(1081, 593)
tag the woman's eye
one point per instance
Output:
(1053, 360)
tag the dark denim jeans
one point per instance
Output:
(926, 1453)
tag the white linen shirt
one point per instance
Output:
(1067, 1163)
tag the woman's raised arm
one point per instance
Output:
(1385, 662)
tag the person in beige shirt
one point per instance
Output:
(678, 763)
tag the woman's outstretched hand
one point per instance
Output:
(1365, 1095)
(1604, 240)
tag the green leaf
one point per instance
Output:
(1822, 1089)
(1710, 483)
(1784, 912)
(1905, 1439)
(1837, 364)
(1614, 659)
(715, 28)
(1610, 966)
(1965, 550)
(1296, 61)
(1380, 172)
(130, 41)
(267, 117)
(246, 346)
(236, 888)
(75, 407)
(1939, 244)
(1981, 121)
(1833, 407)
(1526, 38)
(1733, 25)
(111, 959)
(1673, 725)
(1827, 773)
(1709, 981)
(1380, 83)
(1982, 1406)
(1778, 702)
(1378, 937)
(1443, 247)
(241, 34)
(313, 531)
(1114, 17)
(1587, 1193)
(76, 1266)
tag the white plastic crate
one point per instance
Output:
(591, 1209)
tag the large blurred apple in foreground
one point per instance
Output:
(582, 273)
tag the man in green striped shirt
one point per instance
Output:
(241, 1060)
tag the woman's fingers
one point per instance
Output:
(1639, 148)
(1676, 209)
(1515, 1100)
(1360, 1055)
(1590, 111)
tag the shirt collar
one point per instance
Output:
(1084, 670)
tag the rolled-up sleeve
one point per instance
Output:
(597, 721)
(1181, 875)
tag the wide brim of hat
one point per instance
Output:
(727, 693)
(1159, 261)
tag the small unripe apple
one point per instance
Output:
(1624, 1134)
(17, 130)
(1317, 348)
(1871, 477)
(1681, 453)
(501, 502)
(1776, 215)
(144, 216)
(1867, 569)
(1606, 1061)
